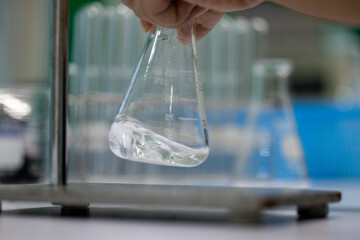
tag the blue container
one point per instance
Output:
(331, 139)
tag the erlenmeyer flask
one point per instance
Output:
(162, 118)
(275, 154)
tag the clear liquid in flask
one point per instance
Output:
(131, 140)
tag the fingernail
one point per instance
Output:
(184, 34)
(146, 26)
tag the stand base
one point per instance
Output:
(239, 202)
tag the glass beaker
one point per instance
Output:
(162, 118)
(274, 154)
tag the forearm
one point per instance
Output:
(341, 11)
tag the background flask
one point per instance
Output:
(162, 118)
(274, 155)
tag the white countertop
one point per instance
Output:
(40, 221)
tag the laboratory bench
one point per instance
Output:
(39, 221)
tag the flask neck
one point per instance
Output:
(271, 80)
(185, 35)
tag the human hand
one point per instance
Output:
(226, 5)
(181, 13)
(175, 14)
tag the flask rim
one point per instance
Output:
(280, 67)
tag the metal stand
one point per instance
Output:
(239, 202)
(59, 77)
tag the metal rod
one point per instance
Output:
(59, 94)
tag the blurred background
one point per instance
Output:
(106, 42)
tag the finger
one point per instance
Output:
(171, 14)
(176, 13)
(202, 26)
(196, 12)
(206, 22)
(146, 26)
(184, 34)
(184, 30)
(226, 5)
(165, 13)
